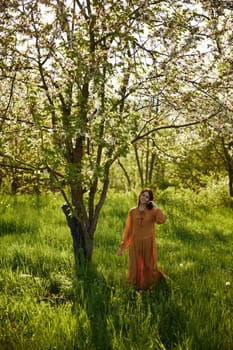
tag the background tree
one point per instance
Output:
(214, 86)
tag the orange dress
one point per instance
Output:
(139, 237)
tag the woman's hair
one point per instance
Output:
(151, 196)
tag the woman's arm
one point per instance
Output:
(127, 235)
(160, 217)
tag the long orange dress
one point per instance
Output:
(139, 237)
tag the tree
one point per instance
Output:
(218, 83)
(196, 88)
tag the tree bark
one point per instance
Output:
(230, 176)
(228, 163)
(82, 244)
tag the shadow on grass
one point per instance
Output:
(170, 317)
(185, 235)
(96, 296)
(93, 294)
(10, 227)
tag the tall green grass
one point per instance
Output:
(46, 304)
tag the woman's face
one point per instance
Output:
(145, 197)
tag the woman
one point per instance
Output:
(139, 237)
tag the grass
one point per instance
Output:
(45, 304)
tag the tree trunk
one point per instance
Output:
(82, 244)
(228, 163)
(139, 166)
(230, 176)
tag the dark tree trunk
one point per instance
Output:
(228, 163)
(82, 244)
(230, 176)
(139, 166)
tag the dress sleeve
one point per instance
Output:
(160, 217)
(127, 233)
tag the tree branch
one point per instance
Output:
(172, 126)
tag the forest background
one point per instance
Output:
(102, 97)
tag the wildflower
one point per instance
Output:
(228, 283)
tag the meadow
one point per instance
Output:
(45, 303)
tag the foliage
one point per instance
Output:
(45, 303)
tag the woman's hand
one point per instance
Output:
(153, 204)
(119, 253)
